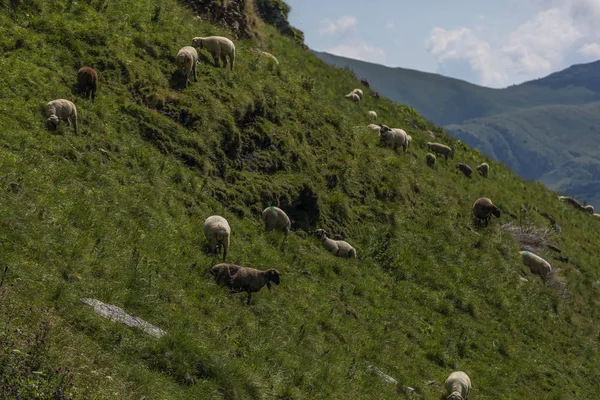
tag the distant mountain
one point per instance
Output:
(547, 129)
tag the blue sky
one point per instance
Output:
(494, 43)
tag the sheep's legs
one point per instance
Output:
(216, 55)
(249, 296)
(224, 59)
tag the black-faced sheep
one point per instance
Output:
(338, 248)
(465, 169)
(483, 209)
(573, 202)
(365, 82)
(87, 78)
(393, 137)
(244, 279)
(537, 265)
(61, 110)
(589, 208)
(217, 232)
(187, 60)
(440, 149)
(220, 47)
(276, 219)
(430, 158)
(483, 169)
(458, 386)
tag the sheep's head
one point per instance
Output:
(455, 396)
(52, 122)
(496, 212)
(321, 233)
(274, 276)
(197, 42)
(589, 209)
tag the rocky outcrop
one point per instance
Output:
(275, 12)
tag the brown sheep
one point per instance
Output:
(483, 209)
(88, 81)
(430, 159)
(483, 169)
(465, 169)
(244, 279)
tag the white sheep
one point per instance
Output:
(440, 149)
(358, 92)
(353, 96)
(338, 248)
(589, 208)
(61, 110)
(276, 218)
(373, 115)
(393, 137)
(268, 55)
(220, 47)
(375, 128)
(218, 233)
(596, 215)
(408, 141)
(537, 265)
(483, 169)
(187, 60)
(458, 386)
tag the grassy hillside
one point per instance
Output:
(116, 213)
(543, 130)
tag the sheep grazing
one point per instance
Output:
(365, 82)
(393, 137)
(358, 92)
(373, 115)
(458, 385)
(187, 60)
(408, 141)
(483, 209)
(338, 248)
(537, 265)
(440, 149)
(483, 169)
(276, 219)
(244, 279)
(268, 55)
(596, 215)
(465, 169)
(217, 232)
(87, 78)
(61, 110)
(572, 202)
(354, 97)
(430, 158)
(589, 209)
(375, 128)
(220, 47)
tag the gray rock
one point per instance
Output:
(382, 374)
(114, 313)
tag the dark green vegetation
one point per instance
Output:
(116, 213)
(545, 130)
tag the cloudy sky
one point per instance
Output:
(489, 42)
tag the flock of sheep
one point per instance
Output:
(217, 229)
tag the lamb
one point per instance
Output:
(187, 60)
(375, 128)
(440, 149)
(87, 78)
(353, 96)
(244, 279)
(269, 55)
(483, 169)
(430, 158)
(483, 209)
(358, 92)
(373, 115)
(61, 110)
(338, 248)
(393, 138)
(458, 385)
(276, 218)
(537, 265)
(465, 169)
(589, 208)
(220, 47)
(217, 232)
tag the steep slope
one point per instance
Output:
(542, 129)
(116, 212)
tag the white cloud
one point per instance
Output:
(590, 51)
(535, 48)
(342, 24)
(360, 50)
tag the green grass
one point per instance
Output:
(116, 213)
